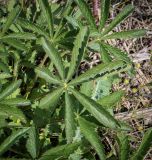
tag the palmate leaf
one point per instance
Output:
(117, 53)
(105, 5)
(62, 151)
(69, 118)
(8, 142)
(123, 141)
(86, 88)
(10, 89)
(21, 35)
(105, 57)
(125, 126)
(33, 143)
(88, 129)
(119, 18)
(11, 18)
(46, 75)
(31, 26)
(3, 122)
(50, 100)
(144, 147)
(12, 112)
(54, 56)
(96, 110)
(14, 159)
(66, 11)
(94, 46)
(16, 102)
(100, 71)
(73, 22)
(47, 13)
(5, 75)
(87, 13)
(102, 87)
(64, 36)
(126, 34)
(111, 100)
(67, 8)
(4, 67)
(15, 43)
(78, 50)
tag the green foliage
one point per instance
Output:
(126, 34)
(62, 151)
(86, 11)
(31, 26)
(111, 100)
(69, 118)
(96, 110)
(104, 54)
(24, 35)
(88, 130)
(9, 141)
(47, 14)
(15, 43)
(46, 75)
(121, 16)
(12, 113)
(33, 142)
(11, 18)
(49, 101)
(105, 5)
(144, 147)
(123, 141)
(49, 109)
(10, 89)
(100, 71)
(54, 56)
(116, 52)
(78, 50)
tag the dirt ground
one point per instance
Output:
(138, 101)
(136, 107)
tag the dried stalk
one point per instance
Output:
(145, 113)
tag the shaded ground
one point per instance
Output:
(138, 97)
(136, 107)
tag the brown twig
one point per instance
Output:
(145, 113)
(96, 9)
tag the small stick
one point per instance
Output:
(96, 9)
(145, 113)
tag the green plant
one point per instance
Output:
(50, 114)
